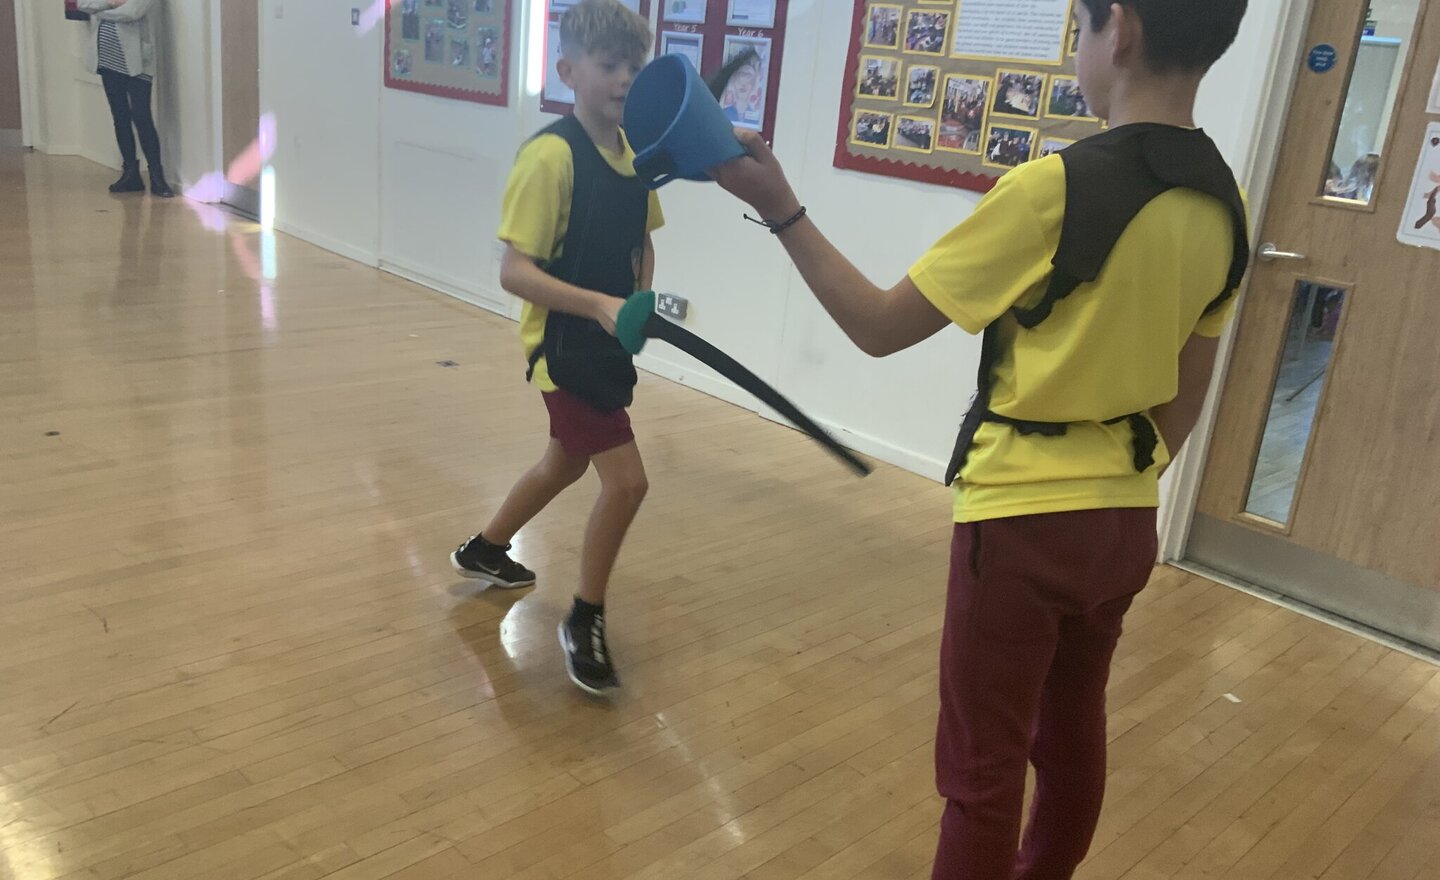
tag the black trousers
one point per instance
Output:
(129, 98)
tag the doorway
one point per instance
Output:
(240, 102)
(1323, 478)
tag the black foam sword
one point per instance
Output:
(639, 321)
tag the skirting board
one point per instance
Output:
(906, 459)
(451, 287)
(332, 245)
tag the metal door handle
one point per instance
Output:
(1269, 252)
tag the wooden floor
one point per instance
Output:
(231, 646)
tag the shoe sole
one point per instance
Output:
(570, 667)
(490, 579)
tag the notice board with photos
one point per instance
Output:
(555, 96)
(712, 32)
(451, 48)
(957, 92)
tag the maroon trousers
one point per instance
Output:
(1033, 614)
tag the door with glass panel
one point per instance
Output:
(1323, 477)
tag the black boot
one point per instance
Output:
(130, 180)
(158, 187)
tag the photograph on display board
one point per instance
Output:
(750, 13)
(435, 41)
(555, 88)
(683, 11)
(459, 52)
(487, 52)
(879, 77)
(691, 46)
(458, 15)
(744, 98)
(1019, 94)
(926, 32)
(915, 134)
(963, 113)
(1049, 146)
(1066, 100)
(404, 63)
(1009, 146)
(872, 129)
(882, 31)
(410, 20)
(920, 85)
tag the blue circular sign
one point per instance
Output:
(1323, 58)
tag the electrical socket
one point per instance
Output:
(355, 17)
(672, 306)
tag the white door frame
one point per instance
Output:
(1256, 176)
(31, 125)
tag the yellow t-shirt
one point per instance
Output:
(1112, 348)
(535, 216)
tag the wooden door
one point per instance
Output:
(240, 101)
(1323, 478)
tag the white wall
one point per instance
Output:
(321, 78)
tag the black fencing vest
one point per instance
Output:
(603, 249)
(1109, 179)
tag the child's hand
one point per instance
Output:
(757, 179)
(607, 311)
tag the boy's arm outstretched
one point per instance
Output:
(880, 322)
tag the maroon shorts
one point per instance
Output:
(583, 430)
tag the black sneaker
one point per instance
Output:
(479, 559)
(587, 657)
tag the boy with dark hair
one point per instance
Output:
(1101, 278)
(577, 227)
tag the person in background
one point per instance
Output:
(122, 51)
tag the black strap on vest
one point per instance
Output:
(1109, 179)
(602, 251)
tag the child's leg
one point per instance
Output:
(1031, 599)
(623, 485)
(1069, 749)
(556, 471)
(999, 637)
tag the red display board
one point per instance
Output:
(457, 49)
(957, 92)
(714, 31)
